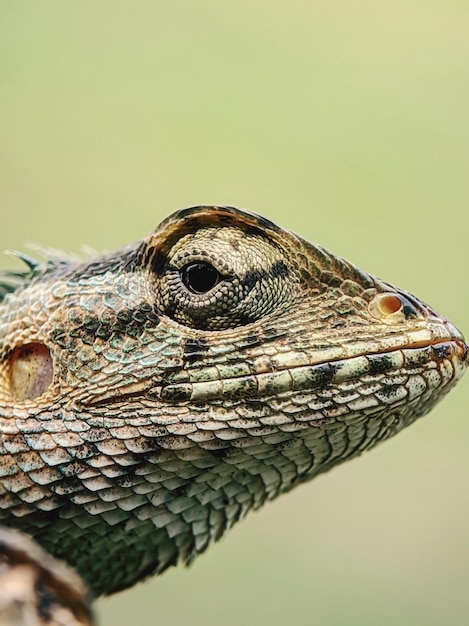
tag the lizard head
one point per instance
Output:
(155, 395)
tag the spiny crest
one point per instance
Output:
(11, 280)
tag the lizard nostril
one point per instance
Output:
(392, 308)
(388, 303)
(31, 371)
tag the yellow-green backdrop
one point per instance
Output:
(344, 121)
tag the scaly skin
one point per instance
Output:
(173, 386)
(36, 589)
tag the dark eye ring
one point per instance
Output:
(200, 277)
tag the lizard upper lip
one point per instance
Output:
(441, 349)
(319, 357)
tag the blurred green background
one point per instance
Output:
(344, 121)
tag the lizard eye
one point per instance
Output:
(222, 278)
(200, 277)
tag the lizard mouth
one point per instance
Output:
(447, 357)
(425, 364)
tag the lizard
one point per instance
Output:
(151, 397)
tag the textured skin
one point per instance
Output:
(36, 589)
(171, 414)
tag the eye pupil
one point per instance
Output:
(200, 277)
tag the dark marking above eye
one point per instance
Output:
(279, 270)
(157, 260)
(257, 230)
(200, 277)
